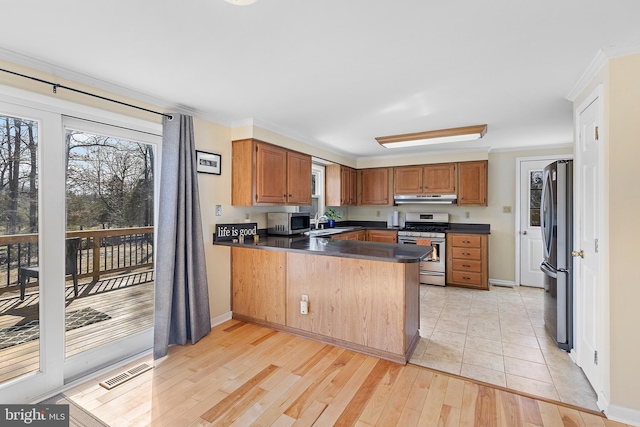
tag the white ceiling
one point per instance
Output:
(337, 74)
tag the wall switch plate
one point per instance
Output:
(218, 210)
(506, 209)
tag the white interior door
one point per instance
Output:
(531, 172)
(587, 269)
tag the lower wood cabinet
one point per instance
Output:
(364, 305)
(384, 236)
(351, 235)
(258, 279)
(468, 260)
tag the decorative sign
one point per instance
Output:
(229, 232)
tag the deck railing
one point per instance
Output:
(101, 252)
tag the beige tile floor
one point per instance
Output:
(497, 337)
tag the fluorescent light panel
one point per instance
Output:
(466, 133)
(241, 2)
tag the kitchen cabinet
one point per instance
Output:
(340, 185)
(258, 284)
(351, 235)
(468, 260)
(375, 186)
(384, 236)
(265, 174)
(472, 183)
(426, 179)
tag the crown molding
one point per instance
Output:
(599, 61)
(429, 150)
(533, 147)
(65, 73)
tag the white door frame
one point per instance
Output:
(602, 316)
(518, 206)
(55, 369)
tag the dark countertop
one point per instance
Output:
(455, 227)
(339, 248)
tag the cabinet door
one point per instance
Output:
(439, 178)
(374, 186)
(472, 180)
(298, 178)
(271, 174)
(408, 180)
(345, 186)
(384, 236)
(353, 187)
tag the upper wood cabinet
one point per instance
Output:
(265, 174)
(472, 183)
(426, 179)
(340, 185)
(298, 178)
(375, 186)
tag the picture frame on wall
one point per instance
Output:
(208, 162)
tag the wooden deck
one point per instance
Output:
(128, 299)
(242, 374)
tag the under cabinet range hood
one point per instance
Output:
(425, 199)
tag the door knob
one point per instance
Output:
(577, 254)
(524, 232)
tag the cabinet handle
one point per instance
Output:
(466, 278)
(466, 265)
(289, 195)
(466, 253)
(464, 241)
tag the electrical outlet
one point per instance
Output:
(218, 210)
(467, 214)
(305, 297)
(506, 209)
(378, 214)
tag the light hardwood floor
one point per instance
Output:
(243, 374)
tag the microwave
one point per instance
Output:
(288, 223)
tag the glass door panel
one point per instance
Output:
(110, 182)
(19, 257)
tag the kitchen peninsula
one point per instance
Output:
(361, 295)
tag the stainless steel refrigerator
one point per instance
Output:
(557, 240)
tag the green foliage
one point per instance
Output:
(332, 214)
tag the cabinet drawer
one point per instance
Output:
(466, 241)
(467, 278)
(466, 253)
(467, 265)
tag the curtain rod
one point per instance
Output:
(57, 85)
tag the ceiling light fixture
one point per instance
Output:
(466, 133)
(241, 2)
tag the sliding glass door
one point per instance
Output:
(110, 181)
(77, 211)
(30, 302)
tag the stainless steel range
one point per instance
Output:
(431, 226)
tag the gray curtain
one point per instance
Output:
(182, 295)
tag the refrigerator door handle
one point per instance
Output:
(548, 270)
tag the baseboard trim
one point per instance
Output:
(505, 283)
(623, 415)
(221, 319)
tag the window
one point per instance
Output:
(317, 191)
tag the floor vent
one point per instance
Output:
(125, 376)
